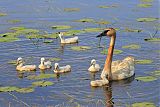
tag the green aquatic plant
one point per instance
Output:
(25, 90)
(17, 28)
(146, 78)
(61, 27)
(85, 20)
(110, 6)
(152, 39)
(3, 14)
(145, 61)
(80, 48)
(93, 29)
(42, 83)
(8, 89)
(13, 62)
(102, 22)
(155, 73)
(146, 0)
(73, 32)
(8, 39)
(132, 30)
(54, 59)
(144, 5)
(14, 21)
(116, 51)
(149, 19)
(48, 41)
(132, 46)
(41, 76)
(35, 36)
(71, 9)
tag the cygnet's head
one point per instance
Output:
(60, 33)
(93, 62)
(56, 66)
(42, 59)
(19, 60)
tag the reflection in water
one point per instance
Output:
(25, 74)
(92, 76)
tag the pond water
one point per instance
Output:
(73, 89)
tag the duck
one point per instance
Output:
(21, 67)
(62, 69)
(68, 40)
(114, 70)
(94, 67)
(45, 65)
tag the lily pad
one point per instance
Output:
(3, 14)
(8, 39)
(144, 5)
(152, 39)
(13, 62)
(80, 48)
(73, 32)
(42, 83)
(71, 9)
(35, 36)
(41, 76)
(146, 0)
(28, 31)
(145, 61)
(53, 35)
(132, 30)
(102, 22)
(9, 34)
(116, 51)
(93, 30)
(155, 73)
(150, 19)
(17, 28)
(85, 20)
(132, 46)
(25, 90)
(14, 21)
(146, 78)
(143, 104)
(54, 59)
(61, 27)
(8, 89)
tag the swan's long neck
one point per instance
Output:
(108, 63)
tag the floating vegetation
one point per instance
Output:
(17, 28)
(93, 29)
(155, 73)
(80, 48)
(61, 27)
(14, 21)
(116, 51)
(53, 35)
(3, 14)
(35, 36)
(146, 0)
(145, 61)
(8, 39)
(54, 59)
(152, 39)
(146, 78)
(13, 62)
(143, 104)
(132, 46)
(111, 6)
(150, 19)
(102, 22)
(71, 9)
(27, 31)
(41, 76)
(25, 90)
(8, 89)
(73, 32)
(85, 20)
(42, 83)
(132, 30)
(48, 41)
(144, 5)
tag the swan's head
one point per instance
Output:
(42, 59)
(93, 62)
(108, 32)
(56, 66)
(19, 60)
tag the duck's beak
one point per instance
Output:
(103, 33)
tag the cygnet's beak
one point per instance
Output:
(103, 33)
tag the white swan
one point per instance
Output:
(116, 70)
(45, 65)
(63, 69)
(94, 67)
(68, 40)
(21, 67)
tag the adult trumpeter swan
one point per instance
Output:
(94, 67)
(68, 40)
(44, 65)
(62, 69)
(116, 70)
(21, 67)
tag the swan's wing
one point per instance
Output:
(48, 63)
(115, 63)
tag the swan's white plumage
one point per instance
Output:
(21, 67)
(94, 67)
(62, 69)
(45, 64)
(68, 40)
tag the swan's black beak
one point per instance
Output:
(103, 33)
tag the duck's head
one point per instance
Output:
(56, 66)
(93, 62)
(108, 32)
(19, 60)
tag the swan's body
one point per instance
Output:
(68, 40)
(21, 67)
(62, 69)
(45, 65)
(116, 70)
(94, 67)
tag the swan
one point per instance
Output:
(94, 67)
(63, 69)
(68, 40)
(116, 70)
(45, 65)
(21, 67)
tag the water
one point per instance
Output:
(73, 89)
